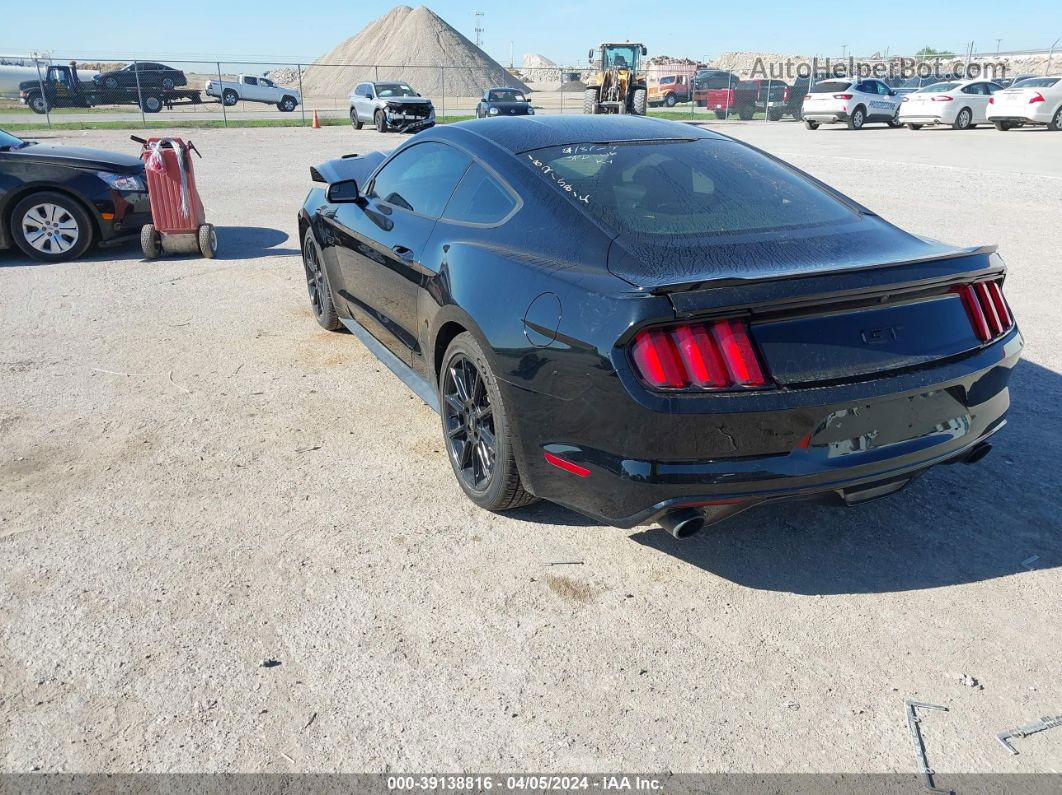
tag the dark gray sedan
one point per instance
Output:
(503, 102)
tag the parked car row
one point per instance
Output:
(961, 104)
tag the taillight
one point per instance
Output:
(717, 354)
(986, 308)
(991, 100)
(842, 96)
(943, 98)
(1038, 97)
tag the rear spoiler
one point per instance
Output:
(352, 166)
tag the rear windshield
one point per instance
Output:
(689, 187)
(1036, 82)
(394, 90)
(829, 86)
(937, 87)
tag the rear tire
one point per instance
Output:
(963, 119)
(168, 84)
(150, 242)
(151, 104)
(1002, 126)
(638, 102)
(745, 113)
(590, 101)
(1055, 124)
(857, 119)
(811, 125)
(51, 227)
(286, 104)
(465, 369)
(354, 119)
(912, 126)
(720, 114)
(229, 97)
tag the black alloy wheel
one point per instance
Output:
(469, 422)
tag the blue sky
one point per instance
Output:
(273, 30)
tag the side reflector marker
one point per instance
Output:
(567, 466)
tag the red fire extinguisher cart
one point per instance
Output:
(178, 219)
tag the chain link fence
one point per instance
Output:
(151, 93)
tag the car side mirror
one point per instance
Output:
(892, 93)
(644, 51)
(345, 191)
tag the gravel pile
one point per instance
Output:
(408, 44)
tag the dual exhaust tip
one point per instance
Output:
(686, 522)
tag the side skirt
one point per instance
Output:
(417, 384)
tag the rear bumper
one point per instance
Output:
(826, 116)
(798, 444)
(1040, 114)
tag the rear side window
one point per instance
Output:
(830, 87)
(693, 187)
(479, 199)
(1036, 82)
(420, 179)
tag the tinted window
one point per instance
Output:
(936, 87)
(686, 188)
(421, 178)
(1036, 82)
(830, 87)
(251, 81)
(479, 199)
(507, 95)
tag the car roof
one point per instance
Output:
(537, 132)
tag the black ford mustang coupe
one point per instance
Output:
(647, 321)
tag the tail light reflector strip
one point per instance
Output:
(986, 308)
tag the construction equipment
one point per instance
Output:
(179, 220)
(616, 85)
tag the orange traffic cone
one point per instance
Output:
(316, 121)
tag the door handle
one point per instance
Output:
(404, 254)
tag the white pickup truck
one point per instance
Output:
(250, 88)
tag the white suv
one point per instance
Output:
(854, 102)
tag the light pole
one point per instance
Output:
(1050, 56)
(997, 46)
(844, 50)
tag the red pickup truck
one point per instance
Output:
(747, 97)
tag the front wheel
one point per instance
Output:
(110, 82)
(590, 101)
(51, 227)
(670, 100)
(638, 102)
(324, 311)
(38, 104)
(476, 429)
(381, 121)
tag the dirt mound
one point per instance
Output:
(415, 45)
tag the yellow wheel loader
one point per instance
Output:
(617, 84)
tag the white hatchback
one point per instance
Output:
(1035, 100)
(962, 104)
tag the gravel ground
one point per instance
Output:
(194, 478)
